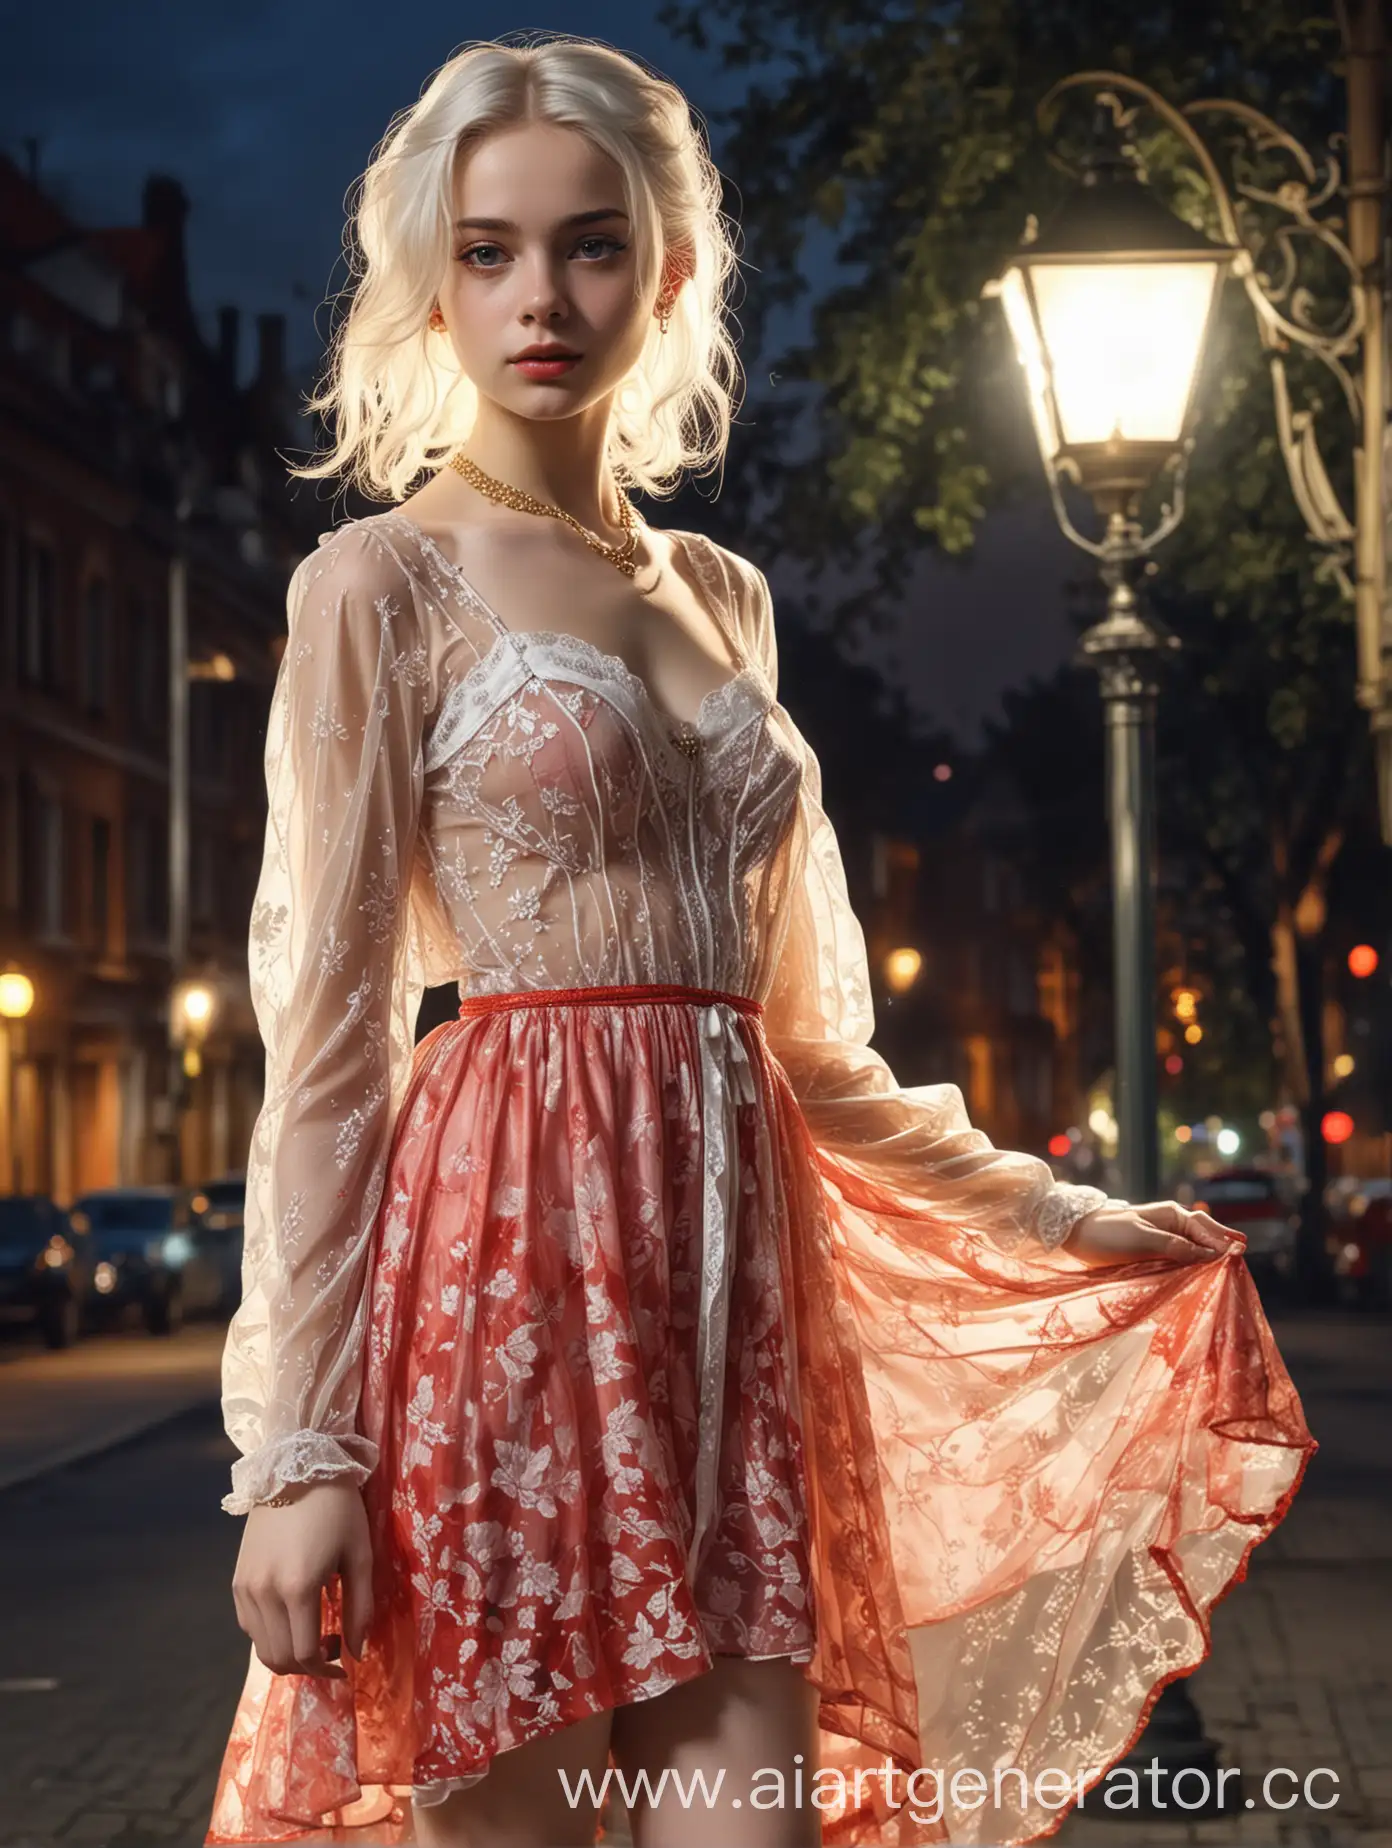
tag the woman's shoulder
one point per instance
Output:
(359, 575)
(372, 543)
(744, 590)
(741, 571)
(376, 555)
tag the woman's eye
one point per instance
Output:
(592, 247)
(476, 253)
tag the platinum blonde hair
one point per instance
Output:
(394, 395)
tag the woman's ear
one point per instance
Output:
(678, 266)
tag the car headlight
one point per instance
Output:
(174, 1249)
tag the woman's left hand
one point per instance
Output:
(1162, 1229)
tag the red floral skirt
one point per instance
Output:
(652, 1379)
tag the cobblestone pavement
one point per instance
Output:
(120, 1659)
(120, 1656)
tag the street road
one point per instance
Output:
(120, 1659)
(56, 1408)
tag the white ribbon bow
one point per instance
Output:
(720, 1139)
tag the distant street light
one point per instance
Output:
(195, 1005)
(16, 1003)
(901, 968)
(16, 995)
(191, 1015)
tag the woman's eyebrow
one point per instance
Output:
(506, 224)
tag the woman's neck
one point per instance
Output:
(563, 461)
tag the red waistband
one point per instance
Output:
(621, 994)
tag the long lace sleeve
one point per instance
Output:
(914, 1145)
(336, 985)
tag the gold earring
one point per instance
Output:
(664, 315)
(437, 321)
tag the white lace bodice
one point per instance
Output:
(452, 797)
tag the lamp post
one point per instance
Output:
(1109, 307)
(1109, 311)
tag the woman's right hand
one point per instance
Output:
(288, 1555)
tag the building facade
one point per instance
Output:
(145, 546)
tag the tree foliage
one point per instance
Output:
(905, 137)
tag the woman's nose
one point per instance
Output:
(543, 296)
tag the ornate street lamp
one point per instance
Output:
(1109, 306)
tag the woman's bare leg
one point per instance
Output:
(522, 1802)
(741, 1719)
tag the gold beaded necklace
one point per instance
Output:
(504, 494)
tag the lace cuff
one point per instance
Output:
(304, 1456)
(1062, 1207)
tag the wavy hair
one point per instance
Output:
(393, 394)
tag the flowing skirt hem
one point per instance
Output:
(382, 1797)
(1203, 1617)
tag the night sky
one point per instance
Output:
(268, 113)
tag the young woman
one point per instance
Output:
(633, 1369)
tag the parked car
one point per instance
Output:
(149, 1249)
(220, 1207)
(1262, 1206)
(1359, 1241)
(45, 1267)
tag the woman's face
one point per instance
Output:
(543, 256)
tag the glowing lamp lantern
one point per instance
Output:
(195, 1005)
(1109, 308)
(16, 995)
(902, 967)
(1362, 960)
